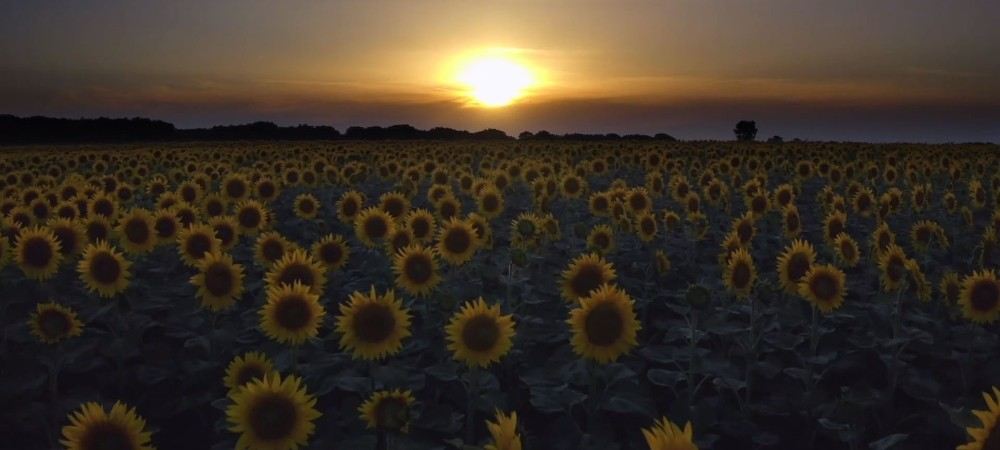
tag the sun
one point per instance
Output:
(495, 81)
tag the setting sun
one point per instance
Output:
(495, 81)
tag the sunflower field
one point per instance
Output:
(500, 295)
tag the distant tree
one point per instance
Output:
(664, 137)
(746, 130)
(544, 135)
(776, 140)
(525, 135)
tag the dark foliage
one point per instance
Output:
(746, 130)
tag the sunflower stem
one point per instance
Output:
(692, 324)
(54, 394)
(472, 390)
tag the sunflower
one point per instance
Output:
(666, 435)
(745, 228)
(271, 247)
(349, 205)
(504, 432)
(251, 216)
(834, 224)
(195, 241)
(457, 241)
(479, 335)
(584, 274)
(824, 286)
(846, 249)
(986, 437)
(136, 231)
(373, 326)
(226, 229)
(103, 270)
(484, 232)
(332, 252)
(421, 223)
(637, 201)
(292, 314)
(93, 428)
(740, 273)
(103, 205)
(265, 189)
(892, 263)
(882, 238)
(297, 266)
(52, 322)
(214, 205)
(980, 297)
(599, 204)
(166, 225)
(394, 204)
(791, 221)
(916, 282)
(235, 187)
(490, 202)
(924, 232)
(388, 410)
(645, 226)
(950, 288)
(372, 225)
(416, 270)
(793, 263)
(306, 206)
(601, 239)
(246, 368)
(69, 234)
(604, 325)
(272, 413)
(38, 253)
(219, 281)
(448, 207)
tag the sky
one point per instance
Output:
(866, 70)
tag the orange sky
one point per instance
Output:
(920, 69)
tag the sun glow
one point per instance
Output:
(494, 81)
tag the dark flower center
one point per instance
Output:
(418, 268)
(604, 325)
(420, 227)
(296, 272)
(457, 240)
(54, 324)
(66, 238)
(374, 323)
(272, 250)
(106, 436)
(248, 373)
(38, 252)
(984, 296)
(741, 275)
(165, 227)
(273, 417)
(197, 245)
(249, 217)
(219, 279)
(331, 253)
(588, 277)
(480, 333)
(137, 231)
(293, 313)
(824, 287)
(376, 227)
(105, 268)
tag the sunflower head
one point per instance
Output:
(987, 435)
(272, 413)
(194, 242)
(793, 263)
(297, 266)
(823, 286)
(292, 313)
(394, 204)
(251, 216)
(457, 241)
(52, 322)
(306, 206)
(892, 263)
(478, 334)
(246, 368)
(604, 325)
(219, 281)
(601, 239)
(645, 226)
(585, 274)
(846, 249)
(38, 253)
(92, 428)
(421, 223)
(666, 435)
(331, 251)
(372, 225)
(136, 231)
(70, 235)
(740, 273)
(980, 297)
(373, 326)
(416, 270)
(503, 431)
(950, 288)
(388, 410)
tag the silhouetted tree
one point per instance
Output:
(746, 130)
(776, 140)
(664, 137)
(525, 135)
